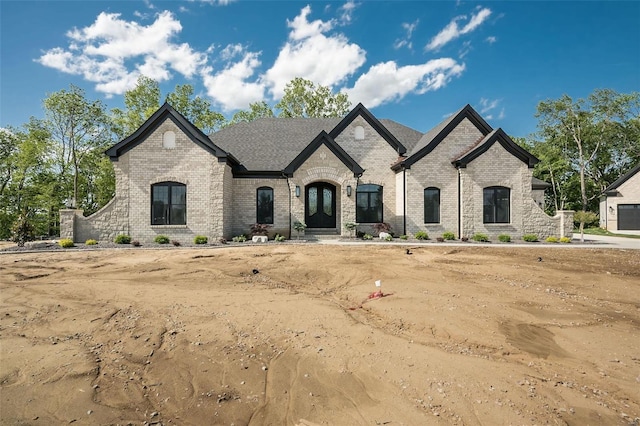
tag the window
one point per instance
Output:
(431, 205)
(369, 204)
(359, 133)
(168, 203)
(264, 205)
(496, 204)
(169, 140)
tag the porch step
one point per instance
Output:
(321, 234)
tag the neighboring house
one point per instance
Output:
(620, 203)
(462, 176)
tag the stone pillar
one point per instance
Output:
(566, 222)
(68, 223)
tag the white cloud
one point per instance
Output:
(347, 11)
(230, 88)
(409, 27)
(488, 108)
(213, 2)
(310, 54)
(99, 52)
(453, 31)
(385, 82)
(491, 39)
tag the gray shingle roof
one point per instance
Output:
(270, 144)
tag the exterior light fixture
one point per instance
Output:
(610, 209)
(297, 191)
(348, 190)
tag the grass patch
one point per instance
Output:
(601, 231)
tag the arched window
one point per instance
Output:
(264, 205)
(359, 133)
(169, 140)
(431, 205)
(496, 202)
(369, 203)
(168, 203)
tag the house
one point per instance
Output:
(620, 203)
(462, 176)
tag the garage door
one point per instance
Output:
(628, 217)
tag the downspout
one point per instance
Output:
(459, 206)
(404, 201)
(290, 204)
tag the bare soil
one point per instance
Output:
(287, 335)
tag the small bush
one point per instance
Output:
(530, 238)
(552, 239)
(91, 242)
(135, 243)
(175, 243)
(440, 239)
(421, 235)
(504, 238)
(239, 239)
(565, 240)
(200, 239)
(381, 227)
(279, 238)
(259, 229)
(482, 238)
(222, 240)
(449, 236)
(161, 239)
(66, 243)
(464, 239)
(23, 229)
(367, 237)
(404, 237)
(388, 238)
(122, 239)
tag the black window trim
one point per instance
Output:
(262, 188)
(495, 190)
(169, 185)
(381, 191)
(424, 200)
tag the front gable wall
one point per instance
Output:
(625, 191)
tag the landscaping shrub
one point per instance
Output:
(200, 239)
(91, 242)
(421, 235)
(279, 238)
(299, 227)
(482, 238)
(464, 239)
(23, 230)
(552, 239)
(223, 240)
(134, 243)
(565, 240)
(66, 243)
(381, 227)
(350, 226)
(530, 238)
(440, 239)
(504, 238)
(388, 238)
(161, 239)
(449, 236)
(404, 237)
(239, 239)
(175, 243)
(122, 239)
(260, 229)
(367, 237)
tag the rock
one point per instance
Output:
(259, 239)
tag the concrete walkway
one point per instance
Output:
(590, 242)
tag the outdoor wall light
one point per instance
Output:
(610, 209)
(348, 190)
(297, 191)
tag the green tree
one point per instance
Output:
(595, 139)
(256, 110)
(302, 98)
(140, 103)
(196, 109)
(77, 126)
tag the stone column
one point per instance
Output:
(68, 223)
(566, 222)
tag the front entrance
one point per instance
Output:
(320, 205)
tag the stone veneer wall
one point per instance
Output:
(436, 170)
(245, 205)
(324, 166)
(375, 156)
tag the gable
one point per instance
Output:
(503, 139)
(361, 111)
(324, 139)
(432, 138)
(166, 112)
(611, 190)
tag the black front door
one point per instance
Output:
(320, 205)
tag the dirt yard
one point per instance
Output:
(286, 335)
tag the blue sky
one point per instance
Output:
(415, 62)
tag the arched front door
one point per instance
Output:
(320, 205)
